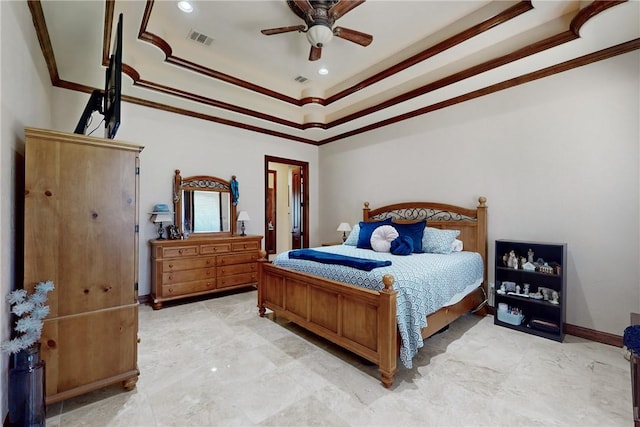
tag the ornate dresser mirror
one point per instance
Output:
(203, 206)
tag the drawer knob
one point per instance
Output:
(179, 251)
(170, 290)
(170, 265)
(170, 277)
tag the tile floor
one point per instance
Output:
(215, 362)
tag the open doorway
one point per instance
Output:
(286, 196)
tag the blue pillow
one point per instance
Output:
(414, 231)
(366, 230)
(402, 245)
(436, 241)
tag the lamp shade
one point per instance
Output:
(344, 226)
(319, 35)
(243, 216)
(161, 213)
(161, 217)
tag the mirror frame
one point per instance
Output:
(202, 183)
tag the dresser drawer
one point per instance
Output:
(237, 279)
(251, 267)
(179, 251)
(245, 246)
(187, 288)
(187, 264)
(216, 248)
(188, 275)
(238, 259)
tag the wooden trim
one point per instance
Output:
(582, 332)
(572, 33)
(593, 335)
(516, 81)
(501, 18)
(304, 166)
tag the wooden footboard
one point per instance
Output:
(360, 320)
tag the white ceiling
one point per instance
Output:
(246, 79)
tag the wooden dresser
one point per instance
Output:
(198, 266)
(80, 221)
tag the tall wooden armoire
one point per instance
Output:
(80, 231)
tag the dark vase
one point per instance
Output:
(26, 389)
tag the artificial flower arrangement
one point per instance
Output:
(31, 311)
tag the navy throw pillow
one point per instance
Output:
(366, 230)
(402, 245)
(414, 231)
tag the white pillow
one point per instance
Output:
(456, 246)
(382, 237)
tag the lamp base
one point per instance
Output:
(242, 233)
(344, 236)
(160, 232)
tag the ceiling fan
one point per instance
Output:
(319, 17)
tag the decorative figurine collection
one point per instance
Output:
(512, 260)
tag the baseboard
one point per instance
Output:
(586, 333)
(144, 299)
(593, 335)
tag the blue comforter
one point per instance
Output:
(425, 283)
(330, 258)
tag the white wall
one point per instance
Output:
(25, 90)
(196, 147)
(557, 159)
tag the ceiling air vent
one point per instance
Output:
(197, 36)
(301, 79)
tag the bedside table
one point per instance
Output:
(331, 243)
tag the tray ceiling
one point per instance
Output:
(425, 55)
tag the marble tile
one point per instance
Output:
(215, 362)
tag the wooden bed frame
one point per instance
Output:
(361, 320)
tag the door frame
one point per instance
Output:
(304, 170)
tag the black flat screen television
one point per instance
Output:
(107, 103)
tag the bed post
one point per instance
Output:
(261, 261)
(365, 212)
(481, 238)
(387, 332)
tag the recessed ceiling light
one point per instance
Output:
(185, 6)
(323, 71)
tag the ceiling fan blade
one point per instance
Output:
(354, 36)
(304, 6)
(342, 7)
(280, 30)
(315, 53)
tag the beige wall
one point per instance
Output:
(557, 159)
(25, 91)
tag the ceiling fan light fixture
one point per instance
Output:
(319, 35)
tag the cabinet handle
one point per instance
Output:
(170, 277)
(180, 251)
(170, 265)
(170, 290)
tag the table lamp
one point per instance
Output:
(344, 227)
(242, 217)
(161, 213)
